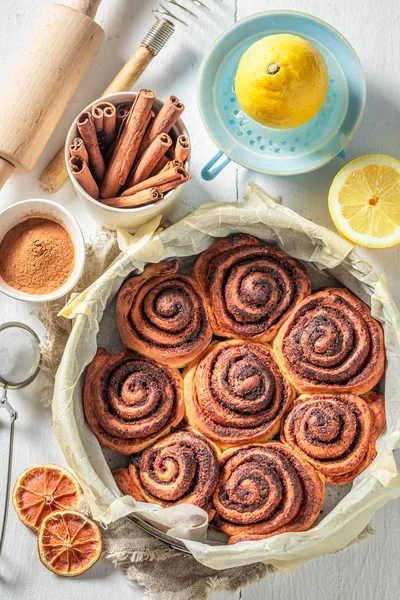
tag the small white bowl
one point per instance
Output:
(124, 218)
(16, 213)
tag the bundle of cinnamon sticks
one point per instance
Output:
(124, 156)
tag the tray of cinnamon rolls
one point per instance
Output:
(241, 388)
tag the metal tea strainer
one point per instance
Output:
(20, 358)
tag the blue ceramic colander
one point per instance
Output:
(279, 151)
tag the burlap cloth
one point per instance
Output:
(166, 574)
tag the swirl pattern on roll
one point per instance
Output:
(266, 490)
(180, 468)
(235, 393)
(331, 343)
(251, 286)
(162, 314)
(336, 433)
(130, 400)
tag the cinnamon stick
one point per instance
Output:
(78, 148)
(89, 136)
(161, 164)
(128, 143)
(105, 119)
(147, 196)
(163, 122)
(182, 148)
(97, 114)
(109, 152)
(122, 111)
(110, 123)
(82, 174)
(162, 181)
(171, 164)
(150, 159)
(171, 185)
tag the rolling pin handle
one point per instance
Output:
(6, 170)
(87, 7)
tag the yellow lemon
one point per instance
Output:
(282, 81)
(364, 201)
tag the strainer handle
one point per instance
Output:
(214, 167)
(13, 415)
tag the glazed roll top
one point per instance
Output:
(131, 400)
(265, 490)
(162, 314)
(336, 433)
(235, 393)
(331, 343)
(180, 468)
(250, 286)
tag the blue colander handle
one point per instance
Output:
(211, 169)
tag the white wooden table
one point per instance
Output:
(368, 570)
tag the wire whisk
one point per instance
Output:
(165, 12)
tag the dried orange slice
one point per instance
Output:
(41, 490)
(69, 543)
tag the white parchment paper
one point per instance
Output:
(326, 255)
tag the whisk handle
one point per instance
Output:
(13, 416)
(131, 71)
(152, 43)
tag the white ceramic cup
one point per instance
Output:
(124, 218)
(16, 213)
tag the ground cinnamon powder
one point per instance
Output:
(36, 256)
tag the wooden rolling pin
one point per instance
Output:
(44, 81)
(55, 174)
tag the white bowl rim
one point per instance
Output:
(112, 209)
(79, 247)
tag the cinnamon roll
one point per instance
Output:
(162, 314)
(336, 433)
(265, 490)
(125, 484)
(235, 393)
(330, 343)
(250, 286)
(130, 400)
(180, 468)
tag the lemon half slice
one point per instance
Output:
(364, 201)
